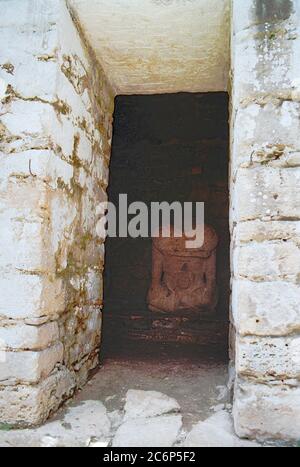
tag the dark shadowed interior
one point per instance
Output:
(167, 148)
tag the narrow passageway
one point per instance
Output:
(169, 149)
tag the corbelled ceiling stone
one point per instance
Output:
(158, 46)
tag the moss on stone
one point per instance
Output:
(5, 427)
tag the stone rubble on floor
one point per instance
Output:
(149, 419)
(216, 431)
(145, 404)
(80, 426)
(161, 431)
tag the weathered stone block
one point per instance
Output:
(266, 193)
(148, 404)
(24, 165)
(215, 432)
(27, 17)
(267, 135)
(82, 333)
(20, 295)
(21, 336)
(268, 358)
(266, 308)
(94, 286)
(156, 431)
(265, 48)
(63, 227)
(267, 261)
(28, 236)
(31, 405)
(249, 13)
(267, 412)
(260, 231)
(84, 368)
(35, 165)
(30, 296)
(29, 367)
(101, 171)
(23, 66)
(65, 137)
(268, 60)
(25, 118)
(85, 149)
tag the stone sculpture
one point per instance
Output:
(182, 278)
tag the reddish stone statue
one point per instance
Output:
(183, 279)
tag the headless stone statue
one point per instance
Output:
(183, 279)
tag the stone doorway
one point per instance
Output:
(172, 148)
(55, 142)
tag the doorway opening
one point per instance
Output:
(172, 147)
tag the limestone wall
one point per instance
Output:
(55, 134)
(265, 216)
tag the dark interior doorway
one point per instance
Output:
(167, 148)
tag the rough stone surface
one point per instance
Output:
(159, 46)
(30, 405)
(265, 217)
(30, 367)
(148, 420)
(55, 134)
(25, 337)
(84, 421)
(145, 404)
(267, 411)
(268, 358)
(216, 432)
(148, 432)
(258, 307)
(81, 426)
(267, 261)
(266, 193)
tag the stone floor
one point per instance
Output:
(151, 402)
